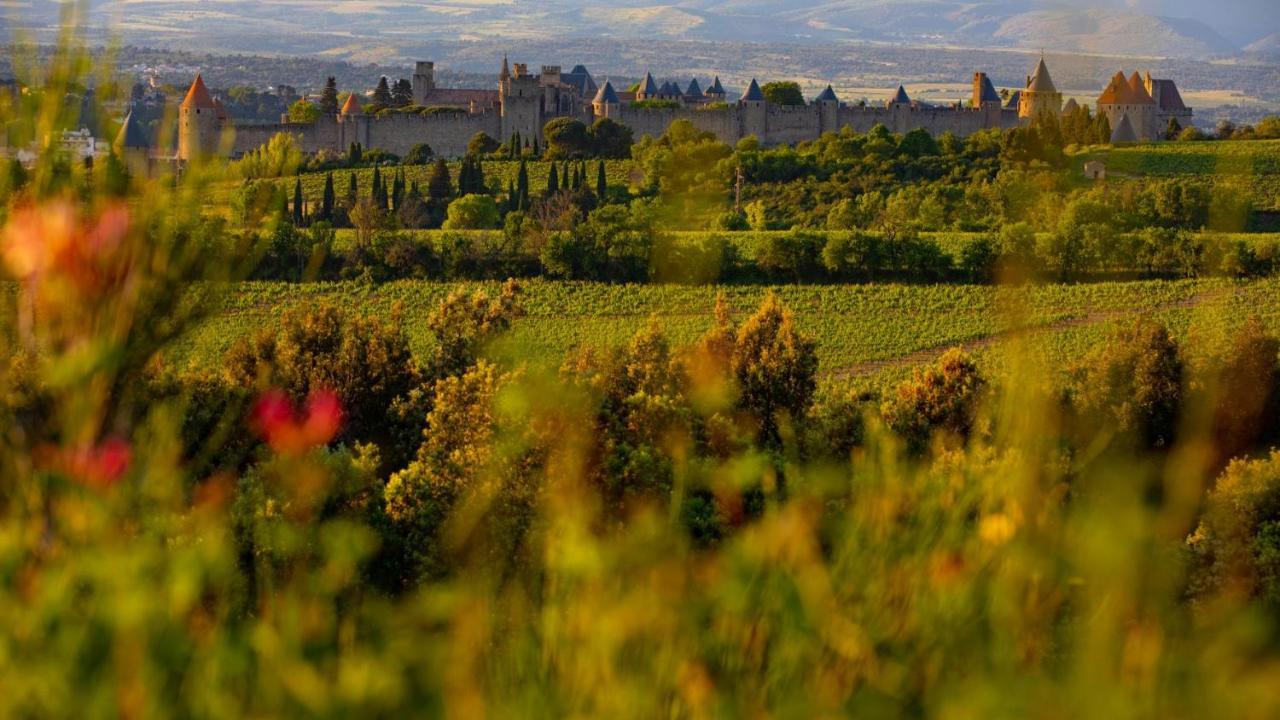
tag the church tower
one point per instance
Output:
(199, 123)
(1040, 98)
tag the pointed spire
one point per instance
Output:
(900, 97)
(506, 69)
(1124, 132)
(753, 93)
(198, 96)
(131, 135)
(1140, 94)
(1040, 81)
(352, 106)
(695, 90)
(648, 88)
(716, 88)
(607, 95)
(828, 95)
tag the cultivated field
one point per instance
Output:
(873, 333)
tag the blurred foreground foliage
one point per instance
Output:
(329, 526)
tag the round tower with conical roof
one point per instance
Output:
(828, 110)
(200, 123)
(754, 112)
(1041, 98)
(606, 104)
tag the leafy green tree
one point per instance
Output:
(481, 144)
(607, 138)
(472, 212)
(853, 253)
(565, 138)
(783, 92)
(419, 154)
(775, 368)
(919, 143)
(794, 255)
(304, 111)
(1236, 547)
(940, 400)
(1133, 384)
(1243, 385)
(365, 361)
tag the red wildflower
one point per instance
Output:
(289, 432)
(97, 466)
(52, 240)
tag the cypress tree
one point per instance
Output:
(1104, 129)
(382, 93)
(352, 192)
(375, 192)
(329, 97)
(536, 152)
(327, 202)
(439, 184)
(602, 182)
(553, 181)
(397, 190)
(297, 202)
(522, 186)
(482, 187)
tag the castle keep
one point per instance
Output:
(523, 102)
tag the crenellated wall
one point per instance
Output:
(449, 132)
(446, 133)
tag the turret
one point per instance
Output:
(828, 110)
(985, 96)
(1041, 98)
(648, 89)
(606, 103)
(199, 124)
(755, 113)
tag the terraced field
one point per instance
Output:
(871, 333)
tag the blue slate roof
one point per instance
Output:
(132, 135)
(828, 95)
(607, 94)
(753, 93)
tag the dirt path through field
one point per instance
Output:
(931, 354)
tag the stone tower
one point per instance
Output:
(353, 125)
(828, 110)
(200, 123)
(606, 103)
(755, 113)
(1040, 98)
(985, 96)
(521, 97)
(424, 82)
